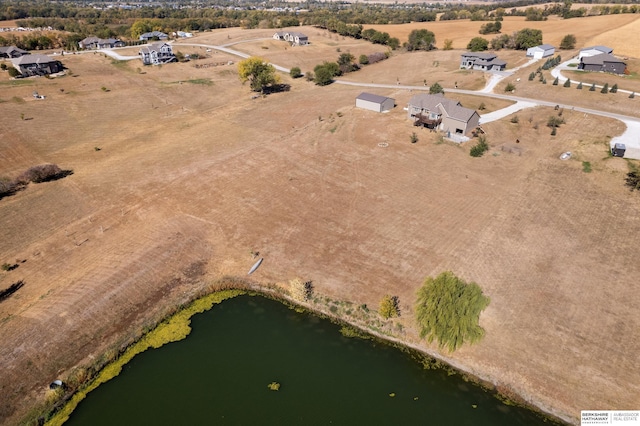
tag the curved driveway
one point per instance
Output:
(630, 137)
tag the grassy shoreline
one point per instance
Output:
(176, 326)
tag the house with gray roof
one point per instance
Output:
(603, 62)
(153, 35)
(157, 53)
(36, 64)
(482, 61)
(439, 113)
(99, 43)
(295, 38)
(593, 51)
(541, 51)
(375, 103)
(12, 52)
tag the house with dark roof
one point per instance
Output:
(157, 53)
(482, 61)
(99, 43)
(593, 51)
(375, 103)
(541, 51)
(602, 62)
(36, 64)
(153, 35)
(295, 38)
(12, 52)
(439, 113)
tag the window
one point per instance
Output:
(459, 131)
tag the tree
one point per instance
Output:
(480, 148)
(501, 41)
(345, 63)
(325, 72)
(579, 86)
(510, 87)
(258, 72)
(421, 40)
(436, 88)
(614, 88)
(527, 37)
(363, 60)
(448, 44)
(295, 72)
(389, 307)
(448, 310)
(555, 82)
(413, 138)
(605, 88)
(568, 42)
(592, 88)
(491, 28)
(567, 83)
(532, 76)
(478, 44)
(13, 72)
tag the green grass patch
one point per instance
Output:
(448, 310)
(175, 328)
(586, 167)
(18, 82)
(203, 81)
(573, 65)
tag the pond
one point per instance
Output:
(220, 374)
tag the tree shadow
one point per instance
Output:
(276, 88)
(4, 294)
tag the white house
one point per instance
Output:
(593, 51)
(292, 37)
(541, 51)
(375, 103)
(157, 53)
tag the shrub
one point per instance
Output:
(586, 167)
(510, 87)
(614, 88)
(579, 86)
(377, 57)
(632, 95)
(448, 44)
(8, 187)
(13, 72)
(553, 131)
(532, 76)
(309, 76)
(3, 66)
(555, 82)
(413, 138)
(435, 88)
(515, 119)
(389, 307)
(448, 310)
(42, 173)
(295, 72)
(605, 88)
(478, 44)
(554, 121)
(633, 181)
(363, 60)
(568, 42)
(480, 148)
(567, 83)
(482, 106)
(592, 88)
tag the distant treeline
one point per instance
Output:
(76, 21)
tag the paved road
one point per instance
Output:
(631, 137)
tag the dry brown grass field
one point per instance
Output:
(588, 31)
(190, 173)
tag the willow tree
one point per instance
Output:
(448, 309)
(258, 73)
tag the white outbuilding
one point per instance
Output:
(588, 52)
(375, 103)
(541, 51)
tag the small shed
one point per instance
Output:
(618, 149)
(375, 103)
(541, 51)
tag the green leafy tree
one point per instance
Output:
(421, 40)
(258, 72)
(567, 83)
(325, 72)
(527, 37)
(555, 82)
(605, 88)
(478, 44)
(568, 42)
(532, 76)
(614, 88)
(448, 310)
(435, 88)
(295, 72)
(363, 60)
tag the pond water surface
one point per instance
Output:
(220, 374)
